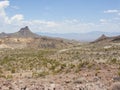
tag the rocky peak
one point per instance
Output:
(25, 30)
(103, 36)
(3, 34)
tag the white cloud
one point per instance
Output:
(3, 16)
(52, 24)
(17, 17)
(119, 14)
(45, 23)
(6, 20)
(4, 4)
(17, 21)
(111, 11)
(15, 7)
(103, 21)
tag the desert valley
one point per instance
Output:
(33, 62)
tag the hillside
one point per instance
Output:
(22, 33)
(24, 38)
(81, 67)
(32, 62)
(105, 39)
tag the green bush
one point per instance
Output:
(39, 74)
(114, 61)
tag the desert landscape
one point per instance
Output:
(59, 44)
(32, 62)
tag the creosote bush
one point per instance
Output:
(39, 74)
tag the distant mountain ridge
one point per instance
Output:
(25, 32)
(83, 37)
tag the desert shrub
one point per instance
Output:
(13, 70)
(90, 65)
(9, 77)
(71, 66)
(39, 74)
(83, 64)
(63, 66)
(119, 73)
(114, 61)
(56, 71)
(2, 76)
(1, 71)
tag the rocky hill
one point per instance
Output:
(3, 34)
(58, 64)
(104, 38)
(22, 33)
(25, 38)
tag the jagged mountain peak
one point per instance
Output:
(24, 32)
(3, 34)
(103, 36)
(24, 29)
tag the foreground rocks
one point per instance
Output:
(58, 82)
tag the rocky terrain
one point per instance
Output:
(32, 62)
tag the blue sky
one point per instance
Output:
(60, 16)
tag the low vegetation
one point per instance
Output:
(91, 61)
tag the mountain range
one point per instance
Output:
(82, 37)
(27, 38)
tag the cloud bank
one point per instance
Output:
(14, 23)
(111, 11)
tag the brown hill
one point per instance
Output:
(101, 38)
(24, 38)
(104, 38)
(22, 33)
